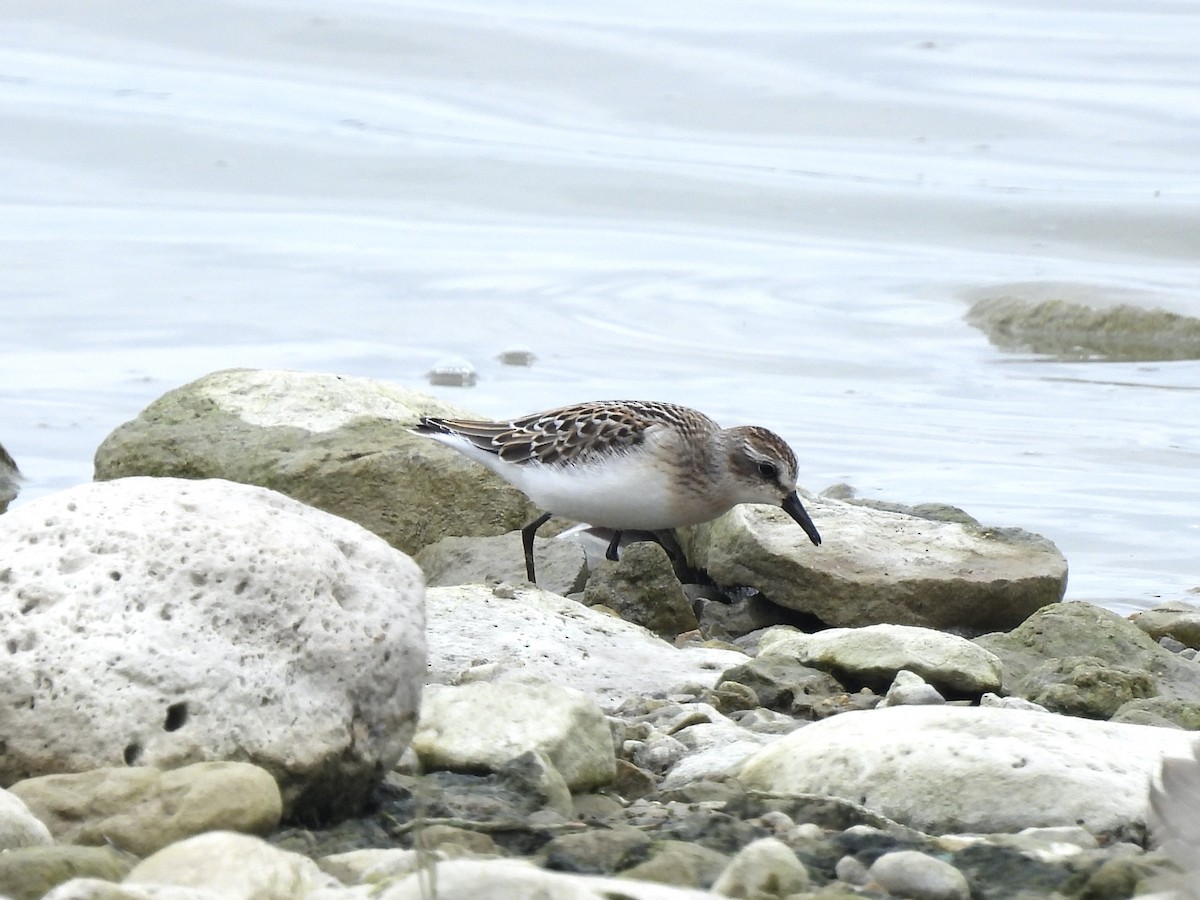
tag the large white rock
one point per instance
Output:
(472, 627)
(162, 621)
(952, 769)
(484, 725)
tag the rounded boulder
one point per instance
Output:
(159, 621)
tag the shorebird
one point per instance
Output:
(629, 465)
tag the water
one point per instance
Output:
(769, 210)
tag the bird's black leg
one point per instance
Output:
(611, 552)
(527, 534)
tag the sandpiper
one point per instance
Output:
(629, 465)
(10, 479)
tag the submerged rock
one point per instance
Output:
(1079, 322)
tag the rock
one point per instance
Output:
(711, 746)
(234, 866)
(505, 879)
(481, 726)
(949, 769)
(338, 443)
(20, 827)
(873, 655)
(643, 589)
(680, 863)
(910, 689)
(374, 865)
(633, 781)
(561, 564)
(1083, 322)
(599, 852)
(781, 682)
(1078, 630)
(98, 889)
(29, 872)
(1165, 712)
(998, 702)
(1085, 686)
(876, 566)
(454, 843)
(10, 480)
(1180, 621)
(764, 869)
(907, 873)
(157, 621)
(528, 630)
(143, 809)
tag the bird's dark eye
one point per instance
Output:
(768, 470)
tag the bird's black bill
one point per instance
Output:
(794, 508)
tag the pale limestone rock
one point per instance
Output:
(483, 725)
(506, 879)
(339, 443)
(875, 653)
(765, 868)
(156, 621)
(143, 809)
(944, 768)
(561, 564)
(880, 566)
(234, 866)
(534, 632)
(99, 889)
(19, 826)
(907, 873)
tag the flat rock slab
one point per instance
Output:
(948, 769)
(475, 631)
(338, 443)
(157, 621)
(879, 566)
(1080, 321)
(875, 654)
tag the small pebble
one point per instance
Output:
(453, 372)
(909, 873)
(517, 356)
(851, 871)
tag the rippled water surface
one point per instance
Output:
(773, 211)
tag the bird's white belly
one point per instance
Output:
(625, 492)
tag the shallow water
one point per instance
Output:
(773, 211)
